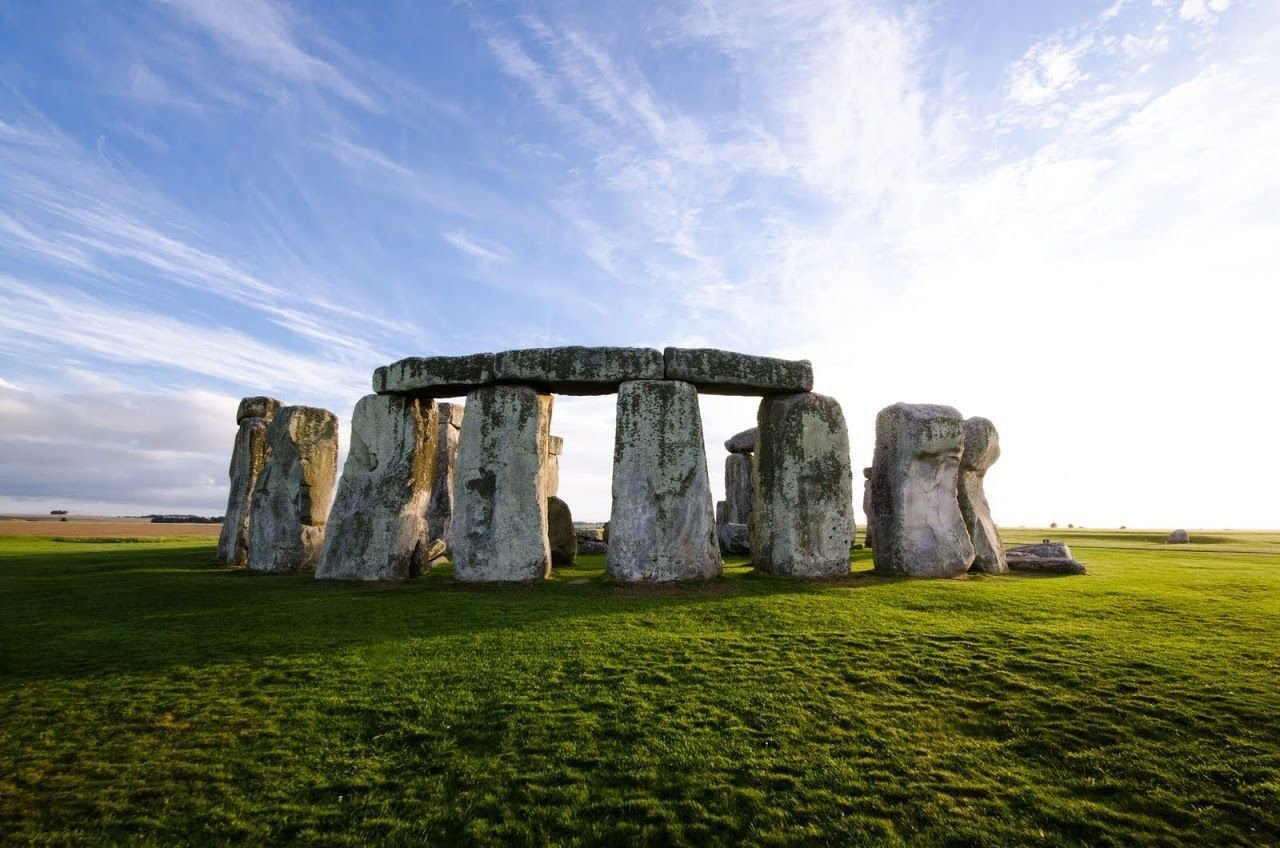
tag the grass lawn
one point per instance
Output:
(148, 696)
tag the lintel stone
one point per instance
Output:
(722, 372)
(578, 370)
(435, 376)
(744, 442)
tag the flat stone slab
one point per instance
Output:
(578, 370)
(434, 376)
(744, 442)
(1044, 565)
(722, 372)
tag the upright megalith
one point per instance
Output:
(744, 442)
(661, 527)
(918, 528)
(739, 493)
(981, 450)
(866, 505)
(377, 529)
(248, 456)
(560, 533)
(802, 524)
(440, 503)
(500, 499)
(555, 446)
(292, 494)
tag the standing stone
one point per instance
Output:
(1179, 537)
(866, 505)
(662, 526)
(560, 533)
(500, 498)
(744, 442)
(440, 503)
(919, 530)
(555, 446)
(248, 456)
(981, 450)
(377, 528)
(738, 489)
(292, 494)
(803, 522)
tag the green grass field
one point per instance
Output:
(148, 696)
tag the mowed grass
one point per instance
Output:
(148, 696)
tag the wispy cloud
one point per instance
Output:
(468, 245)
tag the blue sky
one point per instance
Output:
(1061, 216)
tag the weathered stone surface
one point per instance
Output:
(592, 546)
(721, 512)
(435, 376)
(866, 505)
(578, 370)
(1043, 558)
(248, 456)
(440, 500)
(661, 527)
(377, 529)
(721, 372)
(552, 472)
(292, 494)
(739, 494)
(258, 407)
(733, 539)
(560, 534)
(744, 442)
(594, 533)
(500, 499)
(802, 524)
(981, 450)
(919, 530)
(555, 445)
(1179, 537)
(1046, 549)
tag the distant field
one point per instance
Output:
(149, 696)
(76, 527)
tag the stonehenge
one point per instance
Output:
(560, 533)
(981, 450)
(440, 502)
(292, 494)
(1047, 557)
(248, 456)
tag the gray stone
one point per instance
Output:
(739, 492)
(592, 546)
(721, 512)
(500, 498)
(440, 500)
(248, 456)
(802, 524)
(377, 529)
(435, 376)
(292, 494)
(578, 370)
(1179, 537)
(1045, 557)
(733, 539)
(560, 535)
(866, 505)
(981, 450)
(744, 442)
(919, 530)
(592, 532)
(721, 372)
(258, 407)
(1054, 550)
(661, 527)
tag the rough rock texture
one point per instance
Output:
(1043, 558)
(435, 376)
(578, 370)
(744, 442)
(560, 534)
(802, 523)
(981, 450)
(1179, 537)
(258, 407)
(248, 456)
(592, 546)
(720, 372)
(866, 505)
(919, 530)
(440, 500)
(377, 528)
(555, 445)
(500, 498)
(734, 539)
(739, 493)
(292, 494)
(661, 526)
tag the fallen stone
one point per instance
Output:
(744, 442)
(377, 529)
(592, 546)
(440, 499)
(594, 532)
(733, 539)
(1043, 558)
(918, 528)
(435, 376)
(292, 494)
(661, 527)
(981, 450)
(560, 533)
(500, 498)
(802, 523)
(1179, 537)
(258, 407)
(1054, 550)
(248, 456)
(578, 370)
(738, 488)
(721, 372)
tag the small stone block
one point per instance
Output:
(258, 407)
